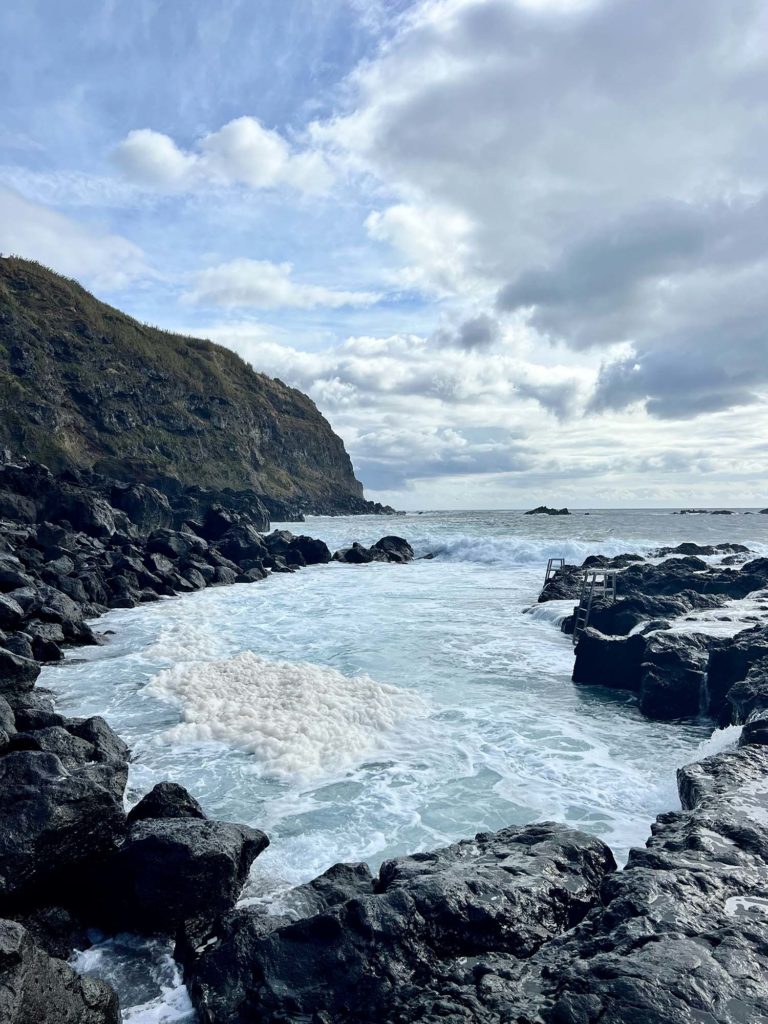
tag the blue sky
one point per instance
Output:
(514, 249)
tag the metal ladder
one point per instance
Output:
(554, 565)
(596, 583)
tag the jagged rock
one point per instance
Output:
(12, 574)
(33, 710)
(16, 674)
(147, 508)
(17, 508)
(729, 662)
(295, 550)
(170, 870)
(674, 675)
(374, 956)
(56, 930)
(544, 510)
(83, 510)
(609, 661)
(38, 989)
(749, 697)
(242, 542)
(166, 800)
(11, 613)
(51, 820)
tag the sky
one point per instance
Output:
(515, 250)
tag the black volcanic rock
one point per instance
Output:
(171, 870)
(544, 510)
(166, 800)
(421, 940)
(38, 989)
(52, 819)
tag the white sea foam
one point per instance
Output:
(294, 717)
(721, 739)
(554, 612)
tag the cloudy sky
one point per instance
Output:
(516, 250)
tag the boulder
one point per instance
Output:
(166, 800)
(390, 954)
(38, 989)
(544, 510)
(170, 870)
(16, 674)
(242, 542)
(674, 675)
(147, 508)
(396, 549)
(51, 820)
(611, 661)
(749, 697)
(355, 555)
(11, 613)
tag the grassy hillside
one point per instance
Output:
(83, 384)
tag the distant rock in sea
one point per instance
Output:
(544, 510)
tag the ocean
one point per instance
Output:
(355, 713)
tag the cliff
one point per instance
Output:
(83, 386)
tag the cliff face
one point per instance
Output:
(83, 385)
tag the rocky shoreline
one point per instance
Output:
(533, 925)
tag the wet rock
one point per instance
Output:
(166, 800)
(51, 820)
(355, 555)
(611, 661)
(16, 674)
(730, 661)
(37, 988)
(170, 870)
(34, 710)
(242, 542)
(382, 956)
(11, 613)
(749, 697)
(674, 675)
(12, 574)
(396, 549)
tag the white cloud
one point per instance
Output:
(99, 259)
(242, 152)
(266, 285)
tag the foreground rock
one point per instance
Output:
(680, 935)
(38, 989)
(397, 948)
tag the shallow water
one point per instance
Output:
(362, 712)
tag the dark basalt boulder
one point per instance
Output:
(11, 613)
(388, 955)
(615, 662)
(295, 550)
(82, 509)
(749, 697)
(730, 662)
(166, 800)
(170, 870)
(12, 574)
(395, 548)
(674, 675)
(34, 709)
(388, 549)
(16, 674)
(354, 555)
(38, 989)
(242, 542)
(52, 819)
(146, 507)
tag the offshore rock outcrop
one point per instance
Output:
(83, 386)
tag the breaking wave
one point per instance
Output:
(294, 717)
(524, 550)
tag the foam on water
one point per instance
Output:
(521, 550)
(145, 976)
(294, 717)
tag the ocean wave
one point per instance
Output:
(296, 718)
(523, 550)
